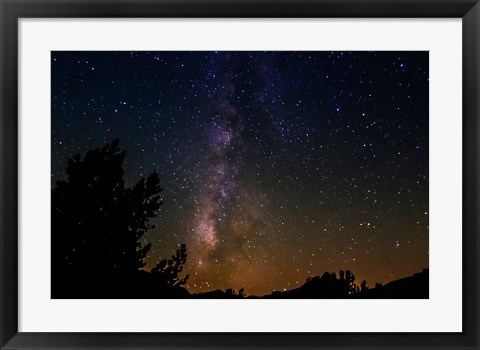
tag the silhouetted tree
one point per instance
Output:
(98, 225)
(166, 272)
(350, 280)
(363, 286)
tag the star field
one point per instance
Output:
(275, 166)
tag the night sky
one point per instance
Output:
(275, 166)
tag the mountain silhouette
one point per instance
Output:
(412, 287)
(329, 287)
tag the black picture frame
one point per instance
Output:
(12, 10)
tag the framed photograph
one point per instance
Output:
(239, 174)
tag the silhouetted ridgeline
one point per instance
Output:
(98, 250)
(329, 287)
(413, 287)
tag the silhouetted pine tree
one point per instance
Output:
(165, 273)
(97, 227)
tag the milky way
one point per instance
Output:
(275, 166)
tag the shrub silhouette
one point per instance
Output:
(97, 227)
